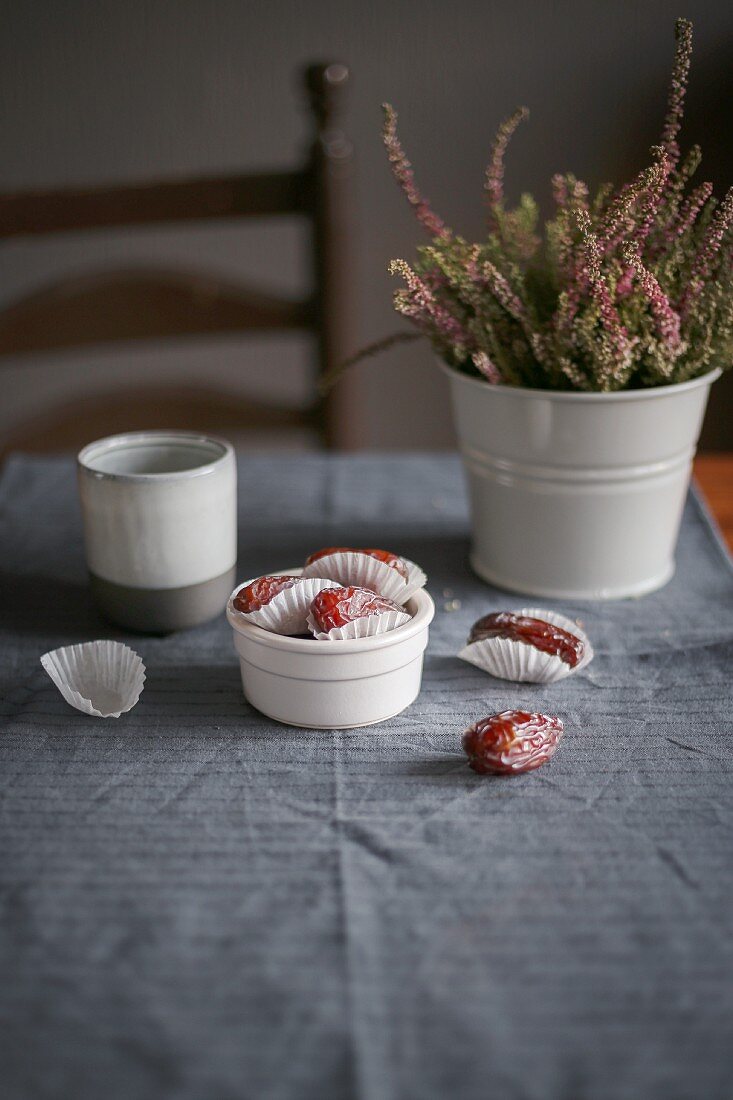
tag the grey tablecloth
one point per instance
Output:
(198, 903)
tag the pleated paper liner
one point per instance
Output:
(286, 613)
(103, 679)
(365, 627)
(509, 659)
(416, 578)
(363, 571)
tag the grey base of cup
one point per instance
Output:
(160, 610)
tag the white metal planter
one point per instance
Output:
(577, 495)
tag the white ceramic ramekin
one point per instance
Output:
(333, 685)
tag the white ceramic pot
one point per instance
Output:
(333, 684)
(577, 495)
(160, 527)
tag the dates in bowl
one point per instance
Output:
(361, 661)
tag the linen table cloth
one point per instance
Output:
(200, 903)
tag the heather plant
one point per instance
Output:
(629, 288)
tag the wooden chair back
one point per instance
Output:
(146, 303)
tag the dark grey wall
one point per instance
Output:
(91, 92)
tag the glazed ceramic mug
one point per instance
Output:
(160, 527)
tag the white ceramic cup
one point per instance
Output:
(160, 527)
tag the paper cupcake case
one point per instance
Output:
(103, 678)
(508, 659)
(364, 571)
(287, 612)
(365, 627)
(416, 578)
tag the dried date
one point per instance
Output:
(511, 742)
(544, 636)
(334, 607)
(258, 594)
(385, 556)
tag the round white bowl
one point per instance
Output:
(332, 684)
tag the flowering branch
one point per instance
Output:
(703, 265)
(691, 208)
(402, 171)
(483, 364)
(677, 89)
(668, 322)
(631, 287)
(494, 185)
(420, 303)
(618, 338)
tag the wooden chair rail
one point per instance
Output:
(143, 304)
(71, 209)
(139, 304)
(184, 407)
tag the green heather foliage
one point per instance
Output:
(630, 288)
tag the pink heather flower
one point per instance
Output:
(567, 191)
(472, 264)
(560, 190)
(476, 278)
(506, 297)
(423, 305)
(617, 216)
(658, 178)
(652, 181)
(567, 308)
(575, 287)
(569, 194)
(494, 185)
(482, 363)
(683, 220)
(691, 207)
(702, 268)
(619, 222)
(625, 283)
(677, 89)
(503, 293)
(667, 321)
(402, 171)
(599, 287)
(618, 219)
(435, 279)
